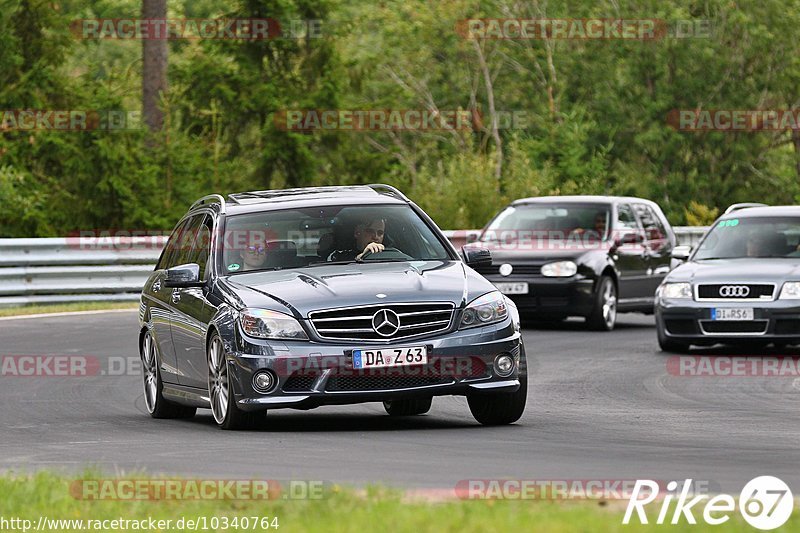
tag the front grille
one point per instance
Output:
(370, 383)
(680, 326)
(518, 270)
(733, 327)
(356, 323)
(735, 291)
(300, 381)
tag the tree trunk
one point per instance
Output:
(154, 64)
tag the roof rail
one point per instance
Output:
(211, 199)
(736, 207)
(377, 187)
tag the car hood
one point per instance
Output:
(525, 253)
(735, 270)
(304, 290)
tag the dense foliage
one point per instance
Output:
(596, 109)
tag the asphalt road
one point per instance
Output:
(601, 406)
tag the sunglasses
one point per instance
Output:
(256, 249)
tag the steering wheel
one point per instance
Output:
(387, 253)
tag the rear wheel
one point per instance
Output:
(223, 404)
(670, 345)
(604, 313)
(417, 406)
(499, 408)
(154, 400)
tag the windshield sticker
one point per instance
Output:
(729, 223)
(234, 266)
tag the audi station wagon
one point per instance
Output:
(740, 286)
(307, 297)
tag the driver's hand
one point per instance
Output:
(372, 248)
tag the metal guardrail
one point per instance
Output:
(83, 269)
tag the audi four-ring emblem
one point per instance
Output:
(734, 291)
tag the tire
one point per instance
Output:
(155, 403)
(669, 345)
(223, 407)
(417, 406)
(604, 313)
(500, 408)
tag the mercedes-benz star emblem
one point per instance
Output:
(386, 322)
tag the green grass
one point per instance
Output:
(65, 308)
(374, 509)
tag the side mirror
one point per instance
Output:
(183, 276)
(634, 237)
(681, 253)
(476, 257)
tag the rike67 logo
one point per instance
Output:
(765, 503)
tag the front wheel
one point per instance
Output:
(408, 407)
(154, 401)
(604, 313)
(223, 404)
(499, 408)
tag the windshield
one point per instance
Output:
(549, 221)
(298, 238)
(751, 237)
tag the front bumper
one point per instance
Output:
(573, 296)
(311, 374)
(691, 321)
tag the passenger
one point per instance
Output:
(253, 257)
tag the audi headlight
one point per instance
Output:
(486, 309)
(265, 324)
(790, 291)
(676, 290)
(560, 269)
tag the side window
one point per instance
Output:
(170, 252)
(187, 240)
(626, 221)
(654, 229)
(202, 246)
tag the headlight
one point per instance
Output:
(484, 310)
(790, 290)
(676, 290)
(264, 324)
(561, 269)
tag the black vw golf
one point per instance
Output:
(740, 286)
(587, 256)
(306, 297)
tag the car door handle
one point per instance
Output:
(176, 296)
(157, 285)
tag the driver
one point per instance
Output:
(598, 230)
(368, 239)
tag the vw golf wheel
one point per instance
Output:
(604, 314)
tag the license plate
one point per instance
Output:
(389, 357)
(735, 313)
(512, 288)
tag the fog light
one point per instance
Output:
(264, 381)
(504, 365)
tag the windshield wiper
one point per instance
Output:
(319, 263)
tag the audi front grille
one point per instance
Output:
(736, 292)
(356, 323)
